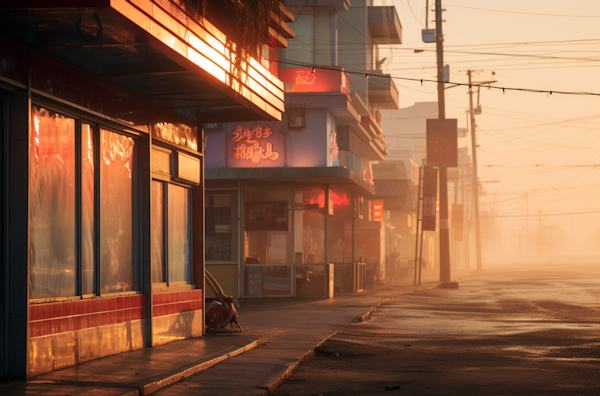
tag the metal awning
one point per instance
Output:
(397, 194)
(331, 175)
(151, 48)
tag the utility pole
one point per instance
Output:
(444, 226)
(475, 180)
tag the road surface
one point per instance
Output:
(503, 332)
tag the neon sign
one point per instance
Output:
(377, 210)
(340, 199)
(250, 148)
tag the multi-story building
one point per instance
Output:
(289, 201)
(101, 111)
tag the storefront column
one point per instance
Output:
(145, 237)
(17, 239)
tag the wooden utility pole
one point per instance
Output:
(444, 226)
(475, 180)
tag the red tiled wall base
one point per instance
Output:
(176, 302)
(60, 317)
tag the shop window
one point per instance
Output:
(81, 222)
(268, 281)
(171, 234)
(158, 234)
(268, 237)
(309, 225)
(339, 227)
(221, 226)
(52, 248)
(116, 214)
(87, 208)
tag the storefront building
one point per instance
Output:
(288, 202)
(101, 112)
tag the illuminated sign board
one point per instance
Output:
(377, 210)
(331, 79)
(255, 145)
(442, 142)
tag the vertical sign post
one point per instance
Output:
(430, 182)
(442, 151)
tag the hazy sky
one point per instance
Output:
(517, 130)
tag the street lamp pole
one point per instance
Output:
(444, 226)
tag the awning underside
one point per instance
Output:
(111, 47)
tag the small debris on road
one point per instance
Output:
(392, 387)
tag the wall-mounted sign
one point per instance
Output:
(331, 79)
(212, 127)
(249, 144)
(377, 210)
(442, 142)
(333, 147)
(430, 198)
(266, 216)
(255, 145)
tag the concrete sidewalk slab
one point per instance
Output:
(139, 372)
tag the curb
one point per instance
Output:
(177, 374)
(275, 380)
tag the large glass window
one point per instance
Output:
(116, 214)
(339, 228)
(178, 234)
(87, 208)
(221, 226)
(171, 233)
(268, 237)
(81, 208)
(158, 243)
(52, 245)
(309, 225)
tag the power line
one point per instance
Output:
(543, 215)
(524, 13)
(367, 74)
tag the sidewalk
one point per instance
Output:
(278, 335)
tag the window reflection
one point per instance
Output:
(309, 225)
(87, 209)
(268, 237)
(178, 234)
(158, 242)
(52, 205)
(116, 216)
(339, 228)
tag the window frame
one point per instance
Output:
(166, 181)
(97, 124)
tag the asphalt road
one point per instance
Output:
(523, 331)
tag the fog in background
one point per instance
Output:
(537, 151)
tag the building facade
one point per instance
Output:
(101, 112)
(290, 204)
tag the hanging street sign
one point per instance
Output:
(442, 142)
